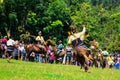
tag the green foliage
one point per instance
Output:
(13, 18)
(25, 35)
(56, 29)
(54, 18)
(58, 10)
(31, 18)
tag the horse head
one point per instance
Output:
(49, 42)
(94, 44)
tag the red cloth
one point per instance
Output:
(52, 57)
(4, 40)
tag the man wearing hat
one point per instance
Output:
(40, 38)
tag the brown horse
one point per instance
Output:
(96, 54)
(62, 55)
(36, 49)
(82, 55)
(54, 49)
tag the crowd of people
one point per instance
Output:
(11, 48)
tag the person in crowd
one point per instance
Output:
(22, 51)
(52, 57)
(105, 52)
(4, 40)
(60, 47)
(69, 54)
(4, 45)
(105, 55)
(10, 48)
(110, 61)
(117, 62)
(32, 56)
(16, 52)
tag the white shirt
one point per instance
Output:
(21, 48)
(10, 42)
(105, 52)
(77, 35)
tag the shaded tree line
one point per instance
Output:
(24, 18)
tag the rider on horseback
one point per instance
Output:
(76, 40)
(40, 39)
(41, 44)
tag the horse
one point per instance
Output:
(60, 55)
(82, 56)
(50, 46)
(54, 50)
(81, 53)
(96, 54)
(29, 48)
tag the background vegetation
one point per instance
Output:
(20, 70)
(24, 18)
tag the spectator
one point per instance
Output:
(110, 61)
(4, 45)
(52, 57)
(117, 62)
(10, 48)
(22, 51)
(60, 47)
(69, 54)
(105, 52)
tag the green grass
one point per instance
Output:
(20, 70)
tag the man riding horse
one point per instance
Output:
(40, 40)
(80, 51)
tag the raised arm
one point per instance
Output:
(84, 29)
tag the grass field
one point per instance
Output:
(20, 70)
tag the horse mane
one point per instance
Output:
(49, 42)
(94, 43)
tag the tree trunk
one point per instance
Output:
(8, 32)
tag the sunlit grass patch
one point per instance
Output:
(20, 70)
